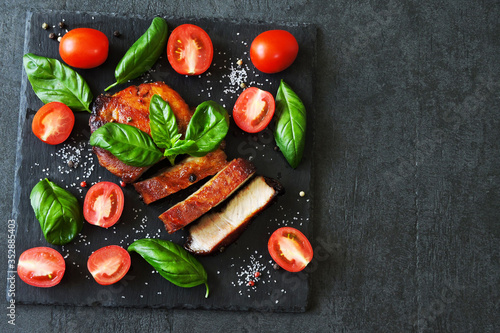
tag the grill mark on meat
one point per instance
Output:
(219, 229)
(212, 193)
(131, 106)
(180, 176)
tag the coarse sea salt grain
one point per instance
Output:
(251, 274)
(236, 76)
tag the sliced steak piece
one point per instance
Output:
(217, 229)
(180, 176)
(131, 106)
(212, 193)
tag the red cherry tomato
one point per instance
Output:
(190, 50)
(290, 249)
(109, 264)
(253, 110)
(103, 204)
(41, 267)
(84, 48)
(53, 123)
(273, 51)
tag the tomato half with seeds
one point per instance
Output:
(190, 50)
(84, 48)
(109, 264)
(53, 123)
(41, 267)
(273, 51)
(290, 249)
(103, 204)
(253, 110)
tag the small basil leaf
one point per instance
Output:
(128, 143)
(208, 127)
(180, 147)
(58, 212)
(172, 262)
(162, 122)
(290, 131)
(52, 81)
(143, 53)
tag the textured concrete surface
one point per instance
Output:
(406, 168)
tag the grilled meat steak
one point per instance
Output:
(180, 176)
(217, 229)
(131, 106)
(212, 193)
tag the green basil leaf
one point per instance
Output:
(178, 148)
(58, 212)
(52, 81)
(290, 130)
(143, 54)
(162, 122)
(208, 127)
(172, 262)
(128, 143)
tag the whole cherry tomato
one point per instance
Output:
(273, 51)
(84, 48)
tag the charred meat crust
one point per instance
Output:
(212, 193)
(131, 106)
(180, 176)
(230, 237)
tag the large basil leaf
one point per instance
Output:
(290, 131)
(128, 143)
(207, 128)
(52, 81)
(143, 53)
(172, 262)
(58, 212)
(162, 122)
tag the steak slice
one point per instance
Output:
(131, 106)
(219, 229)
(212, 193)
(180, 176)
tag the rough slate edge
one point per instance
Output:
(23, 116)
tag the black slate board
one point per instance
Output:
(142, 287)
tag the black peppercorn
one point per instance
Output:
(62, 24)
(52, 35)
(192, 178)
(117, 33)
(276, 267)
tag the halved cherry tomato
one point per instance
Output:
(109, 264)
(190, 50)
(273, 51)
(103, 204)
(253, 110)
(84, 48)
(290, 249)
(41, 267)
(53, 123)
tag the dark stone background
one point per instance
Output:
(406, 171)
